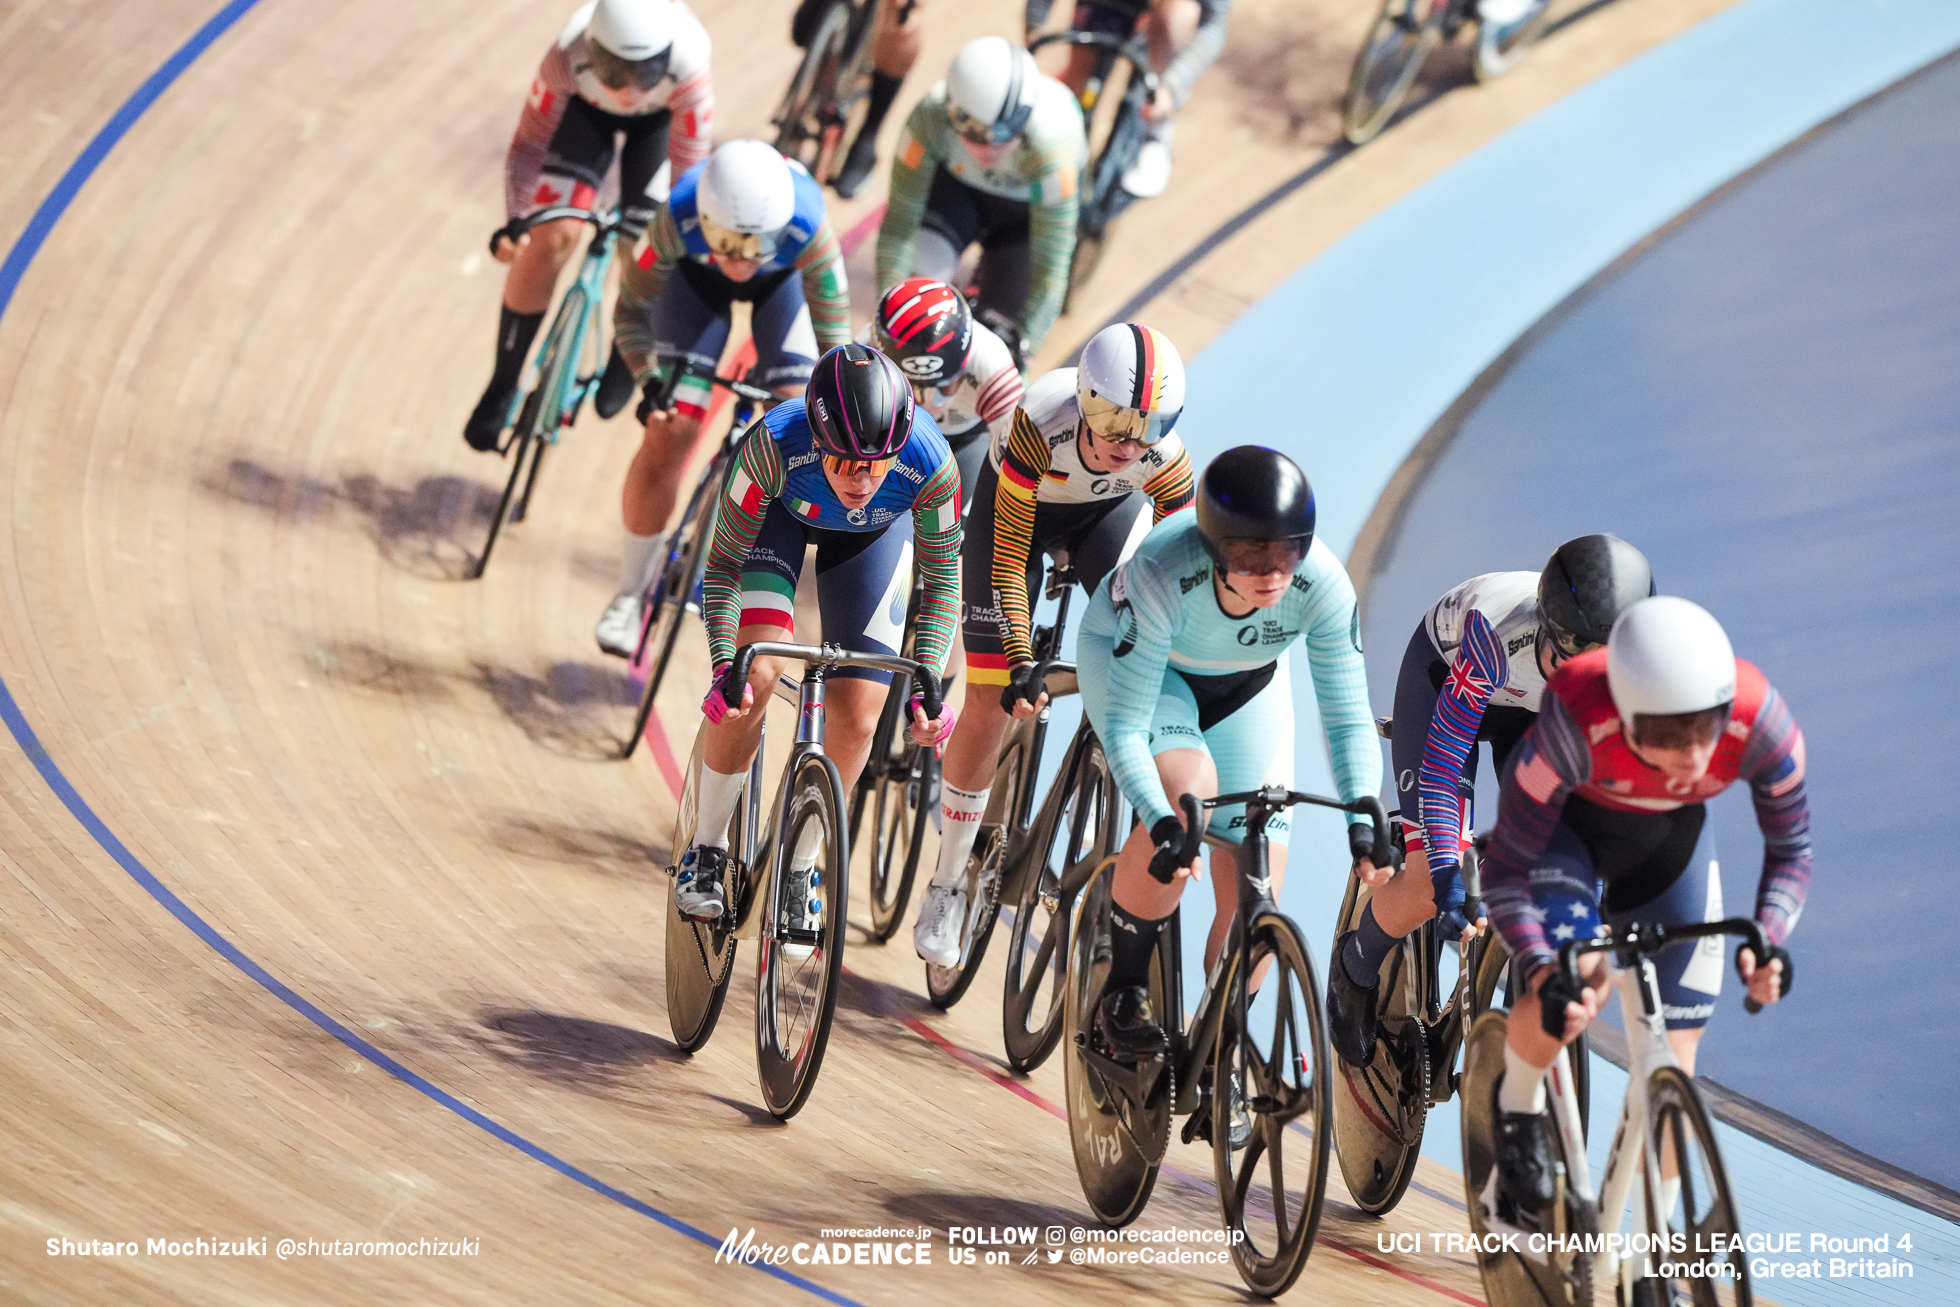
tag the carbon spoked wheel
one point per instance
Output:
(802, 952)
(1116, 1172)
(1068, 836)
(666, 613)
(1404, 33)
(1501, 45)
(1560, 1278)
(806, 129)
(1272, 1105)
(1702, 1217)
(945, 986)
(701, 955)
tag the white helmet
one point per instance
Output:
(990, 90)
(1130, 383)
(631, 42)
(1667, 655)
(746, 198)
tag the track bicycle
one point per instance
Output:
(1380, 1110)
(1251, 1070)
(675, 591)
(898, 789)
(799, 968)
(1004, 826)
(1103, 199)
(568, 364)
(1693, 1235)
(830, 83)
(1404, 33)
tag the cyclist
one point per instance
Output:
(991, 154)
(894, 49)
(1185, 37)
(1181, 656)
(1609, 787)
(747, 224)
(631, 68)
(1089, 445)
(1474, 670)
(845, 470)
(961, 372)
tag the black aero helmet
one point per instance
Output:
(859, 404)
(1585, 587)
(1254, 493)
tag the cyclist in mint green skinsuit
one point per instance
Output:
(1183, 671)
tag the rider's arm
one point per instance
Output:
(1022, 464)
(1340, 682)
(1773, 762)
(1051, 231)
(1171, 488)
(551, 91)
(1200, 52)
(691, 131)
(998, 388)
(756, 480)
(1478, 670)
(1553, 758)
(936, 538)
(640, 283)
(913, 164)
(1146, 618)
(825, 289)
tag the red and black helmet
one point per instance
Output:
(859, 404)
(926, 328)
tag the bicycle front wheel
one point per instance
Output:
(666, 608)
(1074, 830)
(805, 123)
(802, 959)
(1404, 33)
(1699, 1214)
(536, 420)
(945, 986)
(1272, 1107)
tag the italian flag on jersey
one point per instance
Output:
(746, 493)
(938, 521)
(768, 600)
(804, 508)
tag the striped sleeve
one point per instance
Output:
(1172, 488)
(1553, 759)
(936, 537)
(551, 91)
(1478, 670)
(693, 137)
(1051, 231)
(755, 480)
(825, 289)
(1773, 763)
(640, 284)
(912, 167)
(1022, 464)
(998, 397)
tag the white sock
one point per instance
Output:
(636, 562)
(1163, 130)
(1670, 1194)
(1523, 1089)
(716, 806)
(960, 812)
(809, 841)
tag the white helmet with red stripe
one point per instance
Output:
(1130, 383)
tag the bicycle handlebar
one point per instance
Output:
(601, 221)
(1126, 47)
(1638, 939)
(1278, 796)
(830, 655)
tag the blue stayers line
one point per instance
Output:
(11, 271)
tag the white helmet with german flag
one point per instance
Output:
(1130, 383)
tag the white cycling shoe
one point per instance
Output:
(942, 918)
(1151, 173)
(619, 629)
(1503, 13)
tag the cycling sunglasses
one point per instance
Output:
(1119, 423)
(617, 74)
(750, 247)
(845, 467)
(1262, 557)
(998, 132)
(1567, 645)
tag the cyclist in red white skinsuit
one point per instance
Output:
(636, 69)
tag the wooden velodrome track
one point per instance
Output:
(237, 511)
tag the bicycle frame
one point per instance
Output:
(587, 292)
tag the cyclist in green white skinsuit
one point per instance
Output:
(1183, 670)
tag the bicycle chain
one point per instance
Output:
(727, 967)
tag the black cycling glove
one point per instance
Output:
(1168, 836)
(1553, 995)
(1019, 686)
